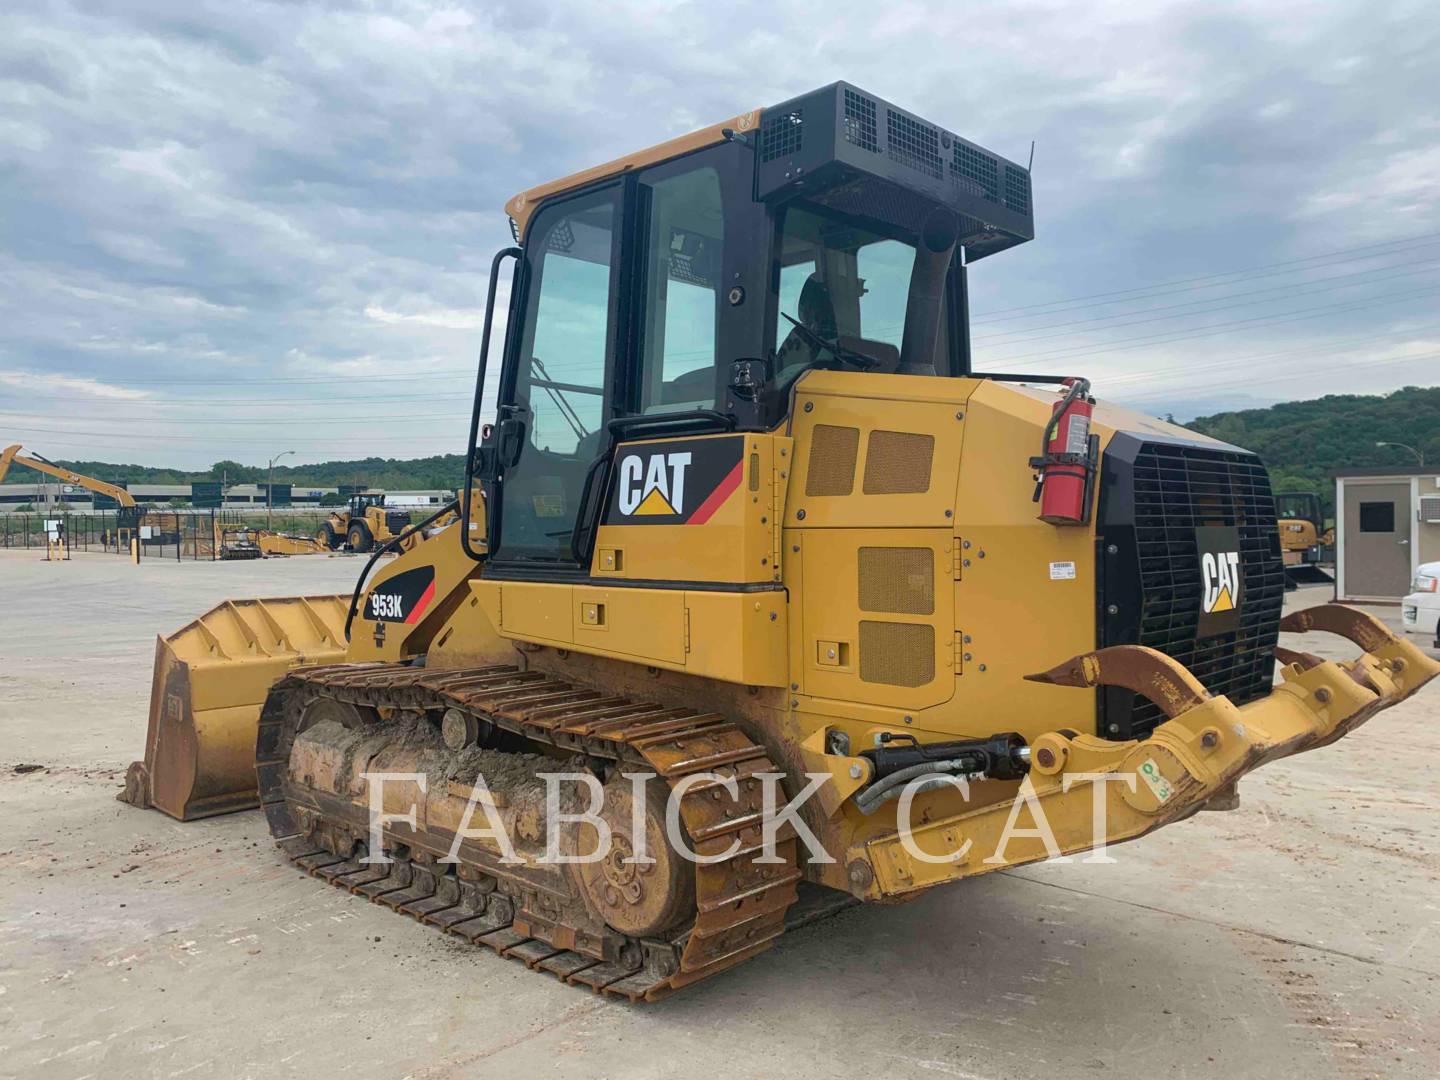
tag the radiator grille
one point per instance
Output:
(898, 462)
(832, 460)
(900, 580)
(899, 654)
(1177, 489)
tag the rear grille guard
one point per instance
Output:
(1153, 497)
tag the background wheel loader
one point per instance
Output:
(365, 523)
(747, 511)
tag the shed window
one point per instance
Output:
(1377, 517)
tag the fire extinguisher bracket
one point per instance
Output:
(1087, 461)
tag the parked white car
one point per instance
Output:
(1420, 611)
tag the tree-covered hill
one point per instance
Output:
(1304, 442)
(433, 473)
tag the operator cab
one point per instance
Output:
(685, 289)
(1299, 506)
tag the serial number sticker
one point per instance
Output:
(1155, 780)
(1062, 571)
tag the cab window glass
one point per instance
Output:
(563, 367)
(560, 387)
(682, 277)
(842, 288)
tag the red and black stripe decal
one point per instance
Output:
(403, 598)
(706, 510)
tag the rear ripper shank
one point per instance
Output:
(746, 511)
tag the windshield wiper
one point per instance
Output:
(840, 352)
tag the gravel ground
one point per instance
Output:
(1293, 938)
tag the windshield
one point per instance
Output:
(1301, 506)
(846, 285)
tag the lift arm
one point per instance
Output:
(69, 476)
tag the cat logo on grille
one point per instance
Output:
(1222, 579)
(1221, 572)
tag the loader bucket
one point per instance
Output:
(211, 679)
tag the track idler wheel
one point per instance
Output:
(636, 898)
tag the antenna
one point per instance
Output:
(1031, 166)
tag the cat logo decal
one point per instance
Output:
(676, 482)
(1222, 579)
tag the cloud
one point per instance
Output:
(246, 192)
(29, 380)
(448, 319)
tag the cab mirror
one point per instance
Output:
(509, 441)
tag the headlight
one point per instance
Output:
(1425, 583)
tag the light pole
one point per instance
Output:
(1419, 457)
(270, 487)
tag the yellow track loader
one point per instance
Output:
(1303, 535)
(809, 606)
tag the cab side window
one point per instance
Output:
(562, 377)
(561, 381)
(682, 270)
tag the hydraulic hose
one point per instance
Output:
(870, 800)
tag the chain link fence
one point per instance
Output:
(175, 534)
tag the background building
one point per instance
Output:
(206, 494)
(1387, 522)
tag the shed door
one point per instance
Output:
(1377, 539)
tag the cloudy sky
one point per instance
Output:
(232, 228)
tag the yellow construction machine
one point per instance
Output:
(127, 516)
(1303, 537)
(278, 543)
(754, 534)
(365, 523)
(242, 542)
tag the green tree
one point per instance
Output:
(1303, 443)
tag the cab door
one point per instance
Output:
(557, 394)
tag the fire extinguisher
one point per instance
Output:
(1065, 469)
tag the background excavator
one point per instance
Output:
(127, 516)
(747, 510)
(1303, 537)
